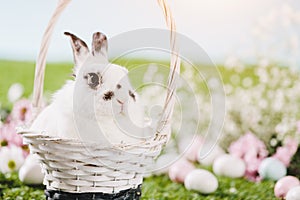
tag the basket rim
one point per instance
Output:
(41, 136)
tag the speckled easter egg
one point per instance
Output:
(207, 157)
(293, 194)
(272, 168)
(229, 166)
(202, 181)
(179, 170)
(284, 184)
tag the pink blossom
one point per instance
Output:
(291, 144)
(287, 151)
(252, 151)
(8, 134)
(20, 115)
(282, 154)
(253, 176)
(22, 111)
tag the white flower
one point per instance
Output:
(15, 92)
(11, 159)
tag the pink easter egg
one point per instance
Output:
(284, 184)
(180, 169)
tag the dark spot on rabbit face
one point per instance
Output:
(108, 95)
(119, 86)
(132, 95)
(93, 80)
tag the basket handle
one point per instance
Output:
(41, 60)
(163, 130)
(174, 66)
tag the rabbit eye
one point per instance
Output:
(93, 80)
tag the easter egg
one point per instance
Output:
(202, 181)
(229, 166)
(293, 194)
(284, 184)
(206, 157)
(272, 168)
(31, 172)
(179, 170)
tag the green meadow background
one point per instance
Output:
(156, 187)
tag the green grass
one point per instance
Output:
(161, 187)
(55, 76)
(11, 188)
(57, 73)
(158, 187)
(23, 72)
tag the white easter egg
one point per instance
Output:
(272, 168)
(202, 181)
(229, 166)
(206, 157)
(293, 194)
(31, 172)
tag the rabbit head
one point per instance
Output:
(103, 89)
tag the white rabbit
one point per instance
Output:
(100, 105)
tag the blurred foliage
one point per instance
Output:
(11, 188)
(294, 168)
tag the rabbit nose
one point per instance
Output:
(122, 106)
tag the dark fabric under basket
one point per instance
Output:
(129, 194)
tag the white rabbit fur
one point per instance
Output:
(109, 113)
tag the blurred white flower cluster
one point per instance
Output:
(263, 100)
(192, 114)
(266, 103)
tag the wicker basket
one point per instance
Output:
(75, 167)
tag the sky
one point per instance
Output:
(220, 27)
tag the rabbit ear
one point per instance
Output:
(80, 51)
(99, 45)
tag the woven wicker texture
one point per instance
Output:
(76, 167)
